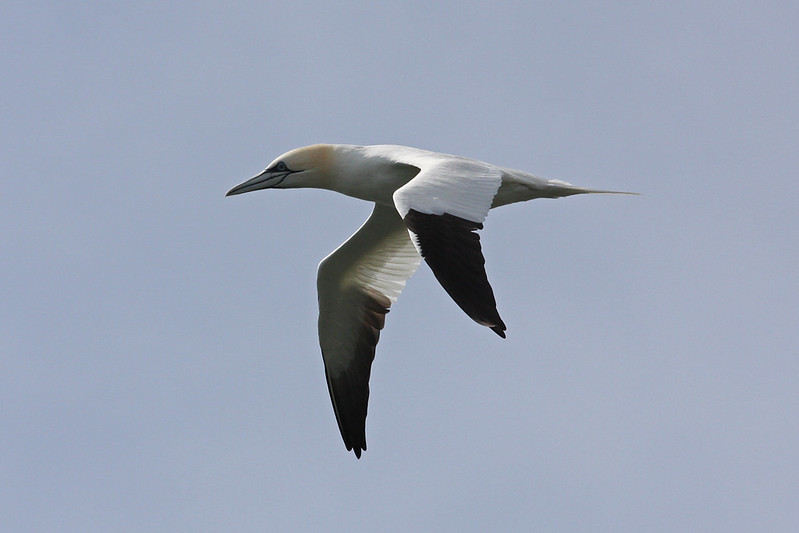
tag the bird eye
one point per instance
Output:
(281, 167)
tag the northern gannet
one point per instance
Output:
(427, 205)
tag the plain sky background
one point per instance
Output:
(159, 367)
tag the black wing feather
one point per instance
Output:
(451, 247)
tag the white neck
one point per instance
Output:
(367, 173)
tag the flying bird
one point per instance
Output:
(427, 205)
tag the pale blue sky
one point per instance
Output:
(159, 367)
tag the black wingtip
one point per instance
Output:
(356, 449)
(499, 330)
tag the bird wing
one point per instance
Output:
(442, 207)
(357, 284)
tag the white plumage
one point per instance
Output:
(427, 205)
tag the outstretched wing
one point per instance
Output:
(442, 207)
(357, 284)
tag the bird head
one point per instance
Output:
(302, 167)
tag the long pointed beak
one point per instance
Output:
(264, 180)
